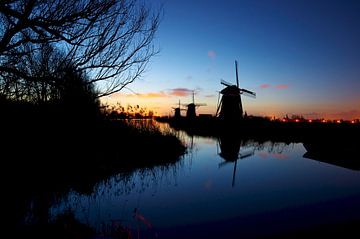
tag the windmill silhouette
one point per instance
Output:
(230, 151)
(230, 106)
(178, 110)
(191, 108)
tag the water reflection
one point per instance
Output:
(230, 152)
(276, 190)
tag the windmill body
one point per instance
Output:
(230, 106)
(191, 111)
(191, 108)
(177, 111)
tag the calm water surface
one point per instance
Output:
(270, 188)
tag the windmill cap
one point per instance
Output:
(230, 90)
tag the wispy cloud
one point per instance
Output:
(265, 86)
(180, 92)
(282, 86)
(212, 54)
(279, 87)
(209, 96)
(159, 94)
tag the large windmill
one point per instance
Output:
(191, 108)
(230, 106)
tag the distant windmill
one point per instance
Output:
(191, 108)
(178, 111)
(230, 106)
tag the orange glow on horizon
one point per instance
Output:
(163, 102)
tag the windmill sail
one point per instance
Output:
(225, 83)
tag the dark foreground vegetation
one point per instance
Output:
(57, 58)
(52, 148)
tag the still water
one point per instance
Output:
(266, 188)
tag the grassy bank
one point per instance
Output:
(47, 152)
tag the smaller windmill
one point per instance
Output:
(178, 111)
(230, 106)
(191, 108)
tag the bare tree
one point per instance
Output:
(109, 40)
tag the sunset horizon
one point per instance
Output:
(301, 58)
(180, 119)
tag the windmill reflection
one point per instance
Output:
(230, 148)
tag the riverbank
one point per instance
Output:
(46, 156)
(262, 129)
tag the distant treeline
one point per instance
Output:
(129, 112)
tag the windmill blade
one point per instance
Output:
(237, 77)
(222, 164)
(200, 104)
(243, 155)
(248, 93)
(218, 106)
(225, 83)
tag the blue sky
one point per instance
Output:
(300, 57)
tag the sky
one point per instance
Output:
(299, 57)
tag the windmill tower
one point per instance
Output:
(191, 108)
(177, 111)
(230, 106)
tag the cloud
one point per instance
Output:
(212, 54)
(180, 92)
(209, 96)
(279, 87)
(265, 86)
(157, 94)
(160, 94)
(282, 86)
